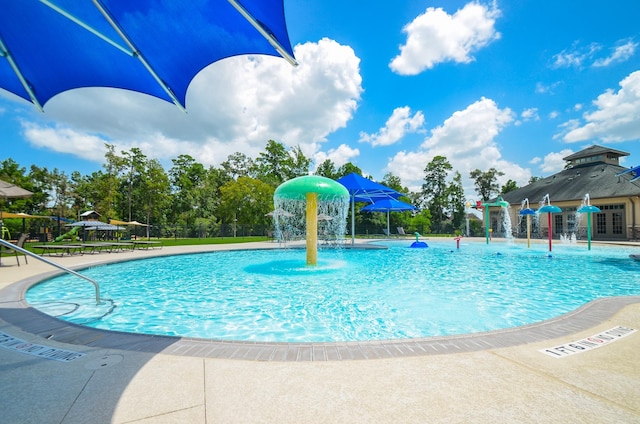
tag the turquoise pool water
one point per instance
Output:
(270, 295)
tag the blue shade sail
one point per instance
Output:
(150, 46)
(364, 190)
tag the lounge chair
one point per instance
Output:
(23, 238)
(401, 231)
(386, 232)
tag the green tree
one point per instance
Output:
(300, 164)
(394, 182)
(155, 193)
(246, 201)
(509, 186)
(276, 165)
(237, 165)
(346, 169)
(327, 169)
(272, 166)
(134, 162)
(456, 201)
(486, 182)
(12, 172)
(435, 193)
(187, 178)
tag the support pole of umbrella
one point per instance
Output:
(588, 209)
(499, 202)
(549, 209)
(527, 211)
(353, 219)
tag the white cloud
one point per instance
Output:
(399, 123)
(527, 115)
(236, 104)
(467, 140)
(576, 56)
(553, 162)
(547, 88)
(530, 114)
(435, 37)
(339, 156)
(616, 118)
(621, 53)
(66, 140)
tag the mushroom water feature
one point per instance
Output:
(548, 208)
(304, 198)
(499, 202)
(588, 209)
(525, 210)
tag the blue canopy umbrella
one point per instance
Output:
(153, 47)
(635, 170)
(388, 205)
(364, 190)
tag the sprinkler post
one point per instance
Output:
(586, 207)
(312, 228)
(549, 209)
(528, 212)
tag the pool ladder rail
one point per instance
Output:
(50, 262)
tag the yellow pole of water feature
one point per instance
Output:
(312, 228)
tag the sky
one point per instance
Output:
(514, 85)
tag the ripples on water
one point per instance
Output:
(268, 295)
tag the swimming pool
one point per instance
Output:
(352, 295)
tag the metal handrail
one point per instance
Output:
(47, 261)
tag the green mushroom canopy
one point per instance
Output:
(297, 188)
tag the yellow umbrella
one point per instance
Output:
(118, 222)
(7, 215)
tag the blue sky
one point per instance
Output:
(512, 85)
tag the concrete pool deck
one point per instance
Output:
(492, 377)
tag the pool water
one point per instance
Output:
(352, 295)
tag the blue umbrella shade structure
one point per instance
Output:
(388, 205)
(635, 170)
(153, 47)
(364, 190)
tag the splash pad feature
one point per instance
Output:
(588, 209)
(527, 211)
(548, 208)
(418, 244)
(314, 195)
(499, 202)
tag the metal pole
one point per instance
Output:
(549, 224)
(47, 261)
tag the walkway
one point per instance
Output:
(496, 377)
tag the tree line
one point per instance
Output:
(208, 201)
